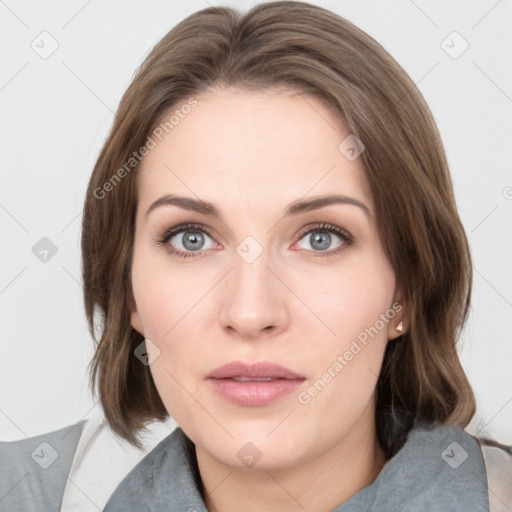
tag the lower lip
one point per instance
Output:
(254, 393)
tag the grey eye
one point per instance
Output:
(190, 240)
(320, 240)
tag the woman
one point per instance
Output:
(271, 241)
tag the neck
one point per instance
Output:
(317, 484)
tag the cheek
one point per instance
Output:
(162, 296)
(165, 302)
(352, 299)
(170, 305)
(346, 359)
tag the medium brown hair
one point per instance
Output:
(314, 51)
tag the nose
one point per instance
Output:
(254, 300)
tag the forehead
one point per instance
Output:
(252, 147)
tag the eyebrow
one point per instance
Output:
(296, 208)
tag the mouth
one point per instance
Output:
(253, 379)
(253, 385)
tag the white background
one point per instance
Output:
(55, 116)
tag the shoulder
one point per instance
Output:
(33, 471)
(103, 459)
(70, 468)
(451, 444)
(168, 474)
(439, 467)
(490, 461)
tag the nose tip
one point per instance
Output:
(249, 328)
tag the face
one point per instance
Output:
(297, 294)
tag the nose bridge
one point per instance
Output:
(253, 296)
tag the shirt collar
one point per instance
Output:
(439, 468)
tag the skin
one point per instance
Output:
(252, 154)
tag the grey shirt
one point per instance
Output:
(439, 469)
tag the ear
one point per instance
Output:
(401, 318)
(135, 319)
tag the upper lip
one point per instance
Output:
(255, 370)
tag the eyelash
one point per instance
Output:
(322, 227)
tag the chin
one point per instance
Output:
(252, 448)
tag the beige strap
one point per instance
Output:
(498, 465)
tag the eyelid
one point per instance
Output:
(325, 226)
(169, 233)
(343, 234)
